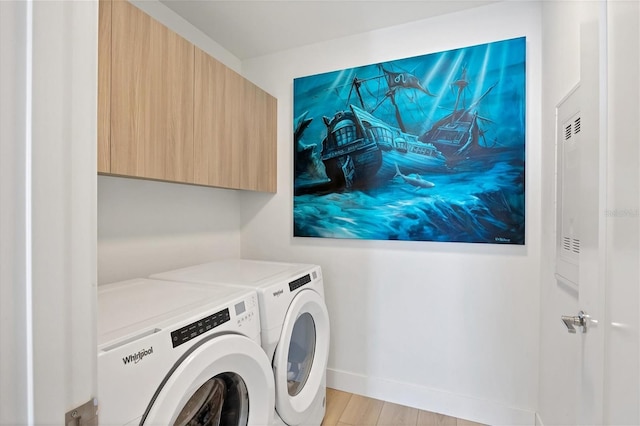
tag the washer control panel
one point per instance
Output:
(196, 328)
(246, 311)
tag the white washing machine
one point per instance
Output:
(295, 327)
(172, 353)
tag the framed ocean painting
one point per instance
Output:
(427, 148)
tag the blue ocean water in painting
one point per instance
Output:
(430, 148)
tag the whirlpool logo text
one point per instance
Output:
(137, 357)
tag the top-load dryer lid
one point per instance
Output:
(250, 273)
(128, 307)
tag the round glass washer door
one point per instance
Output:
(230, 369)
(300, 360)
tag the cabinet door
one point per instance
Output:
(151, 98)
(258, 169)
(235, 129)
(217, 117)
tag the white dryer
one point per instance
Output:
(172, 353)
(295, 327)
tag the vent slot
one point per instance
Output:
(567, 132)
(575, 246)
(576, 126)
(566, 243)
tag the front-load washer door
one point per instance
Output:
(300, 360)
(222, 380)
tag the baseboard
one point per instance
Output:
(437, 401)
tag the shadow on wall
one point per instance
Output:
(146, 227)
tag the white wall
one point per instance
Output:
(14, 365)
(447, 327)
(146, 226)
(49, 84)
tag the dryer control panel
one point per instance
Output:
(303, 280)
(297, 283)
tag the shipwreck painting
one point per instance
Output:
(427, 148)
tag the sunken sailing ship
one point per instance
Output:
(361, 150)
(458, 134)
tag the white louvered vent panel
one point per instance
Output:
(568, 188)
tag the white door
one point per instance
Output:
(608, 356)
(300, 360)
(621, 404)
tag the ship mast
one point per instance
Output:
(461, 84)
(392, 97)
(356, 85)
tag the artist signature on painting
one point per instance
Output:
(502, 240)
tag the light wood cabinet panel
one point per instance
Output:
(258, 168)
(234, 123)
(151, 98)
(208, 106)
(235, 129)
(104, 86)
(216, 128)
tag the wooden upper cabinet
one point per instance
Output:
(258, 169)
(151, 98)
(169, 111)
(234, 129)
(216, 128)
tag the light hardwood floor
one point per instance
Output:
(345, 408)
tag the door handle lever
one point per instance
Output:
(577, 321)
